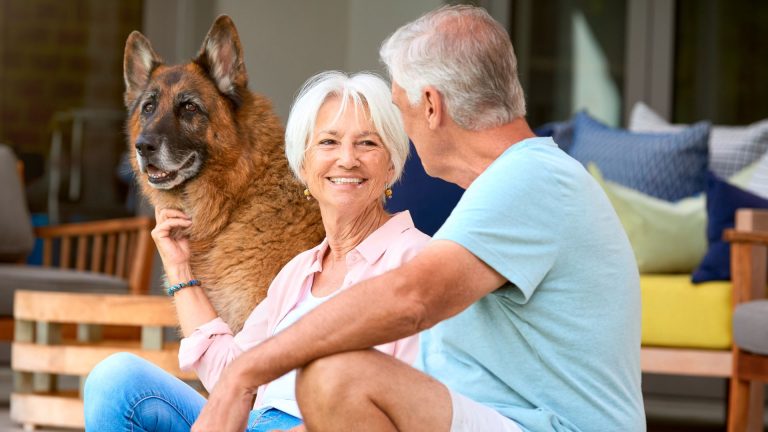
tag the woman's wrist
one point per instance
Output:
(178, 274)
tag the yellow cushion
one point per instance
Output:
(677, 313)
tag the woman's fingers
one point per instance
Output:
(161, 214)
(165, 229)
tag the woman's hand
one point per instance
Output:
(227, 407)
(171, 241)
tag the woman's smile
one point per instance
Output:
(346, 180)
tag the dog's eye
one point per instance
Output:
(148, 107)
(190, 107)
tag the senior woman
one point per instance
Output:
(345, 141)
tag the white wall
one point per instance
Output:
(285, 42)
(371, 21)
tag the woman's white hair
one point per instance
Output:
(467, 56)
(367, 92)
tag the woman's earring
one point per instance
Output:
(307, 194)
(388, 193)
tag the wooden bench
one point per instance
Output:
(39, 353)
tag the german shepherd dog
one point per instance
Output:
(201, 142)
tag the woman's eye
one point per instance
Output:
(190, 107)
(327, 142)
(369, 143)
(148, 107)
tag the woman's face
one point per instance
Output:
(346, 166)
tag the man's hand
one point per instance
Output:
(227, 407)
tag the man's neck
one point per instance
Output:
(473, 151)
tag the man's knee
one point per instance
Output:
(330, 378)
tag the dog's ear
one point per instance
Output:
(222, 57)
(139, 62)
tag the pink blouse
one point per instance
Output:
(212, 346)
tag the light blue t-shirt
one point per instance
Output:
(558, 347)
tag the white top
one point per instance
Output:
(281, 393)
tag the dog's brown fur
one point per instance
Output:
(249, 216)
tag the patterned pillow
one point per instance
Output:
(731, 148)
(669, 166)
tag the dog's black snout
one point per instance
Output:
(145, 146)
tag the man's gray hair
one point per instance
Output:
(366, 92)
(467, 56)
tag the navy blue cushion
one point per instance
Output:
(723, 199)
(668, 166)
(430, 200)
(560, 131)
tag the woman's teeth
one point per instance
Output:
(343, 180)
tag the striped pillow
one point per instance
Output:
(731, 148)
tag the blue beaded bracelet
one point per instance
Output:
(172, 289)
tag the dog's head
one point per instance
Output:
(175, 112)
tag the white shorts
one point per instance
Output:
(470, 416)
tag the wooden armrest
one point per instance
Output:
(119, 247)
(95, 227)
(748, 254)
(735, 236)
(751, 227)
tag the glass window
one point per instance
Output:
(721, 61)
(570, 57)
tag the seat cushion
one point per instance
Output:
(677, 313)
(16, 236)
(750, 326)
(21, 277)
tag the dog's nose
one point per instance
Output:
(145, 146)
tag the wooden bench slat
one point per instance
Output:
(65, 252)
(692, 362)
(61, 410)
(107, 309)
(82, 248)
(96, 253)
(75, 358)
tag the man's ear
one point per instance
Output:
(433, 106)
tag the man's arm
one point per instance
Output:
(444, 279)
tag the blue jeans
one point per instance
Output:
(127, 393)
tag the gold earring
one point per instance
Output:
(388, 193)
(307, 194)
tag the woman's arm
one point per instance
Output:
(192, 304)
